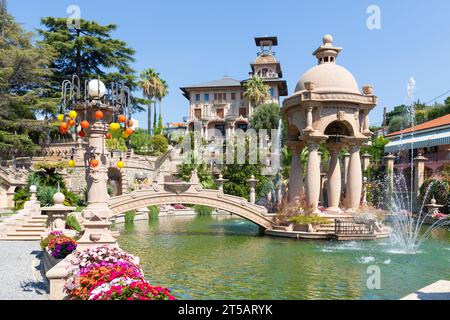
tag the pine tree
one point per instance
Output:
(89, 52)
(24, 72)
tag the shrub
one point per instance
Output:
(158, 145)
(438, 188)
(308, 219)
(129, 216)
(203, 210)
(153, 212)
(72, 223)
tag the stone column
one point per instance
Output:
(419, 173)
(309, 119)
(296, 172)
(354, 179)
(252, 181)
(389, 160)
(346, 158)
(97, 177)
(334, 180)
(366, 161)
(313, 177)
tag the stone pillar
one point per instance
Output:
(313, 177)
(334, 180)
(354, 179)
(296, 172)
(220, 181)
(309, 119)
(389, 160)
(97, 178)
(346, 158)
(323, 181)
(252, 181)
(366, 161)
(366, 129)
(419, 173)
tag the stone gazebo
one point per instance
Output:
(328, 108)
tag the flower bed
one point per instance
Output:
(56, 246)
(107, 273)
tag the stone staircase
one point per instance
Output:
(30, 230)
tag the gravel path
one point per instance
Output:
(20, 276)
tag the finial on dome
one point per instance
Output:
(327, 39)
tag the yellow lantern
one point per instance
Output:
(60, 117)
(72, 114)
(125, 135)
(114, 126)
(120, 164)
(71, 163)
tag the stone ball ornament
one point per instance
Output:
(33, 188)
(96, 89)
(58, 198)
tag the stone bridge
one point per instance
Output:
(163, 192)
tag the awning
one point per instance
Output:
(420, 141)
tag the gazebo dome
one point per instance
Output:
(329, 77)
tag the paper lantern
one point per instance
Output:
(81, 133)
(71, 163)
(60, 117)
(72, 114)
(94, 163)
(108, 135)
(99, 115)
(122, 118)
(84, 124)
(129, 131)
(120, 164)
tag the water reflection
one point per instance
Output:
(226, 258)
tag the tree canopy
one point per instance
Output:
(24, 72)
(266, 116)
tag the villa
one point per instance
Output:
(220, 104)
(430, 139)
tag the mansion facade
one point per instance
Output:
(221, 105)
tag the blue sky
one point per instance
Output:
(191, 42)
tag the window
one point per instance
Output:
(233, 96)
(242, 126)
(221, 128)
(272, 92)
(219, 112)
(197, 97)
(243, 112)
(206, 97)
(198, 113)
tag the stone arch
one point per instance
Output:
(212, 198)
(341, 128)
(115, 181)
(344, 119)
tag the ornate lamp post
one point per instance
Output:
(95, 112)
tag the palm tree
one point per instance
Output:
(162, 93)
(150, 85)
(256, 92)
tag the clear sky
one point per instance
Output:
(191, 42)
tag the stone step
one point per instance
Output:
(24, 233)
(34, 224)
(39, 218)
(21, 238)
(27, 228)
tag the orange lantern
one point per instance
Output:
(71, 122)
(122, 118)
(130, 123)
(94, 163)
(84, 124)
(129, 131)
(99, 115)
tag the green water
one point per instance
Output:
(226, 258)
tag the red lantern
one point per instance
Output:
(84, 124)
(81, 133)
(130, 123)
(129, 131)
(122, 118)
(108, 135)
(99, 115)
(94, 163)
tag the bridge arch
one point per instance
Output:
(170, 193)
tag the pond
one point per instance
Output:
(226, 258)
